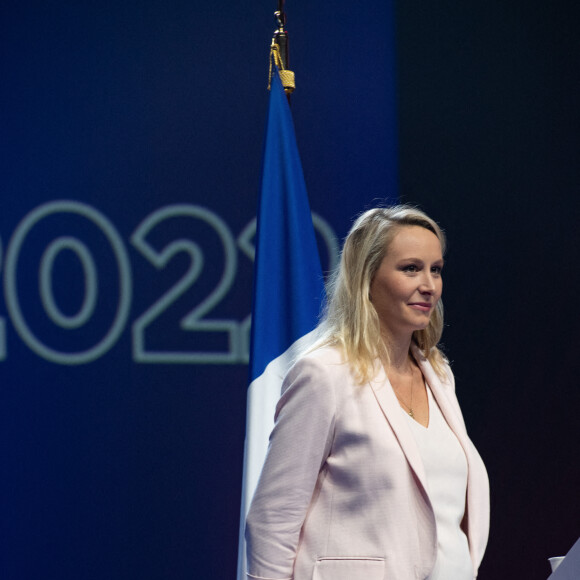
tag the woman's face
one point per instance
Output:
(408, 283)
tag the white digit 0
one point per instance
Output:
(90, 275)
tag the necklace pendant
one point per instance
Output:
(411, 414)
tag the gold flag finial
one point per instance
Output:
(279, 52)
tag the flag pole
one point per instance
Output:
(279, 54)
(288, 291)
(281, 36)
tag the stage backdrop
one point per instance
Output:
(131, 139)
(131, 148)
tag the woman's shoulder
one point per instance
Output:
(327, 354)
(325, 360)
(330, 357)
(317, 376)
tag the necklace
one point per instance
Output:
(407, 408)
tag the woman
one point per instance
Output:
(370, 474)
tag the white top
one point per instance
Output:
(446, 470)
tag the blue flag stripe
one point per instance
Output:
(288, 281)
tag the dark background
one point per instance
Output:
(489, 140)
(117, 468)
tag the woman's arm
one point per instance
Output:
(299, 445)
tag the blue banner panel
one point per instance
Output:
(131, 140)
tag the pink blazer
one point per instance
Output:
(342, 495)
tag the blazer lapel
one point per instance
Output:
(475, 471)
(453, 418)
(391, 409)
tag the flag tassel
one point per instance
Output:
(279, 54)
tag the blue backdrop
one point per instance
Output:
(131, 148)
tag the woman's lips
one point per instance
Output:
(422, 306)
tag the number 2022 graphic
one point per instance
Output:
(35, 303)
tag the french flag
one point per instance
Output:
(288, 288)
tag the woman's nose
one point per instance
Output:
(427, 285)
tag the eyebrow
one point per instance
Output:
(439, 261)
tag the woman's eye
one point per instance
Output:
(410, 268)
(436, 270)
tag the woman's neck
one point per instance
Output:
(399, 353)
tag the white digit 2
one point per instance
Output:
(194, 321)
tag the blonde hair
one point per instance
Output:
(350, 320)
